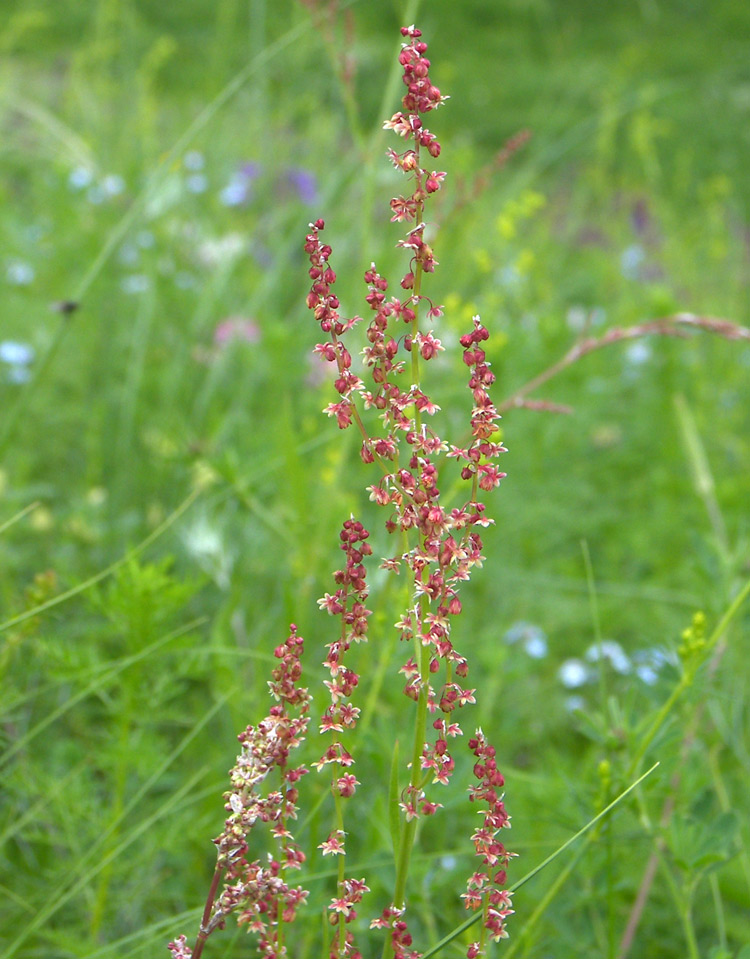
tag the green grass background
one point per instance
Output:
(121, 704)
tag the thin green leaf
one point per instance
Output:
(542, 865)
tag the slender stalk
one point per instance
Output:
(705, 486)
(19, 516)
(205, 928)
(665, 326)
(533, 920)
(283, 860)
(418, 272)
(682, 903)
(686, 679)
(408, 833)
(341, 924)
(649, 874)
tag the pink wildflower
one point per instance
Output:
(334, 845)
(484, 888)
(238, 328)
(180, 949)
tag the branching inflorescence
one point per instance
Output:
(442, 545)
(257, 890)
(439, 546)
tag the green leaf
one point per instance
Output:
(698, 844)
(719, 952)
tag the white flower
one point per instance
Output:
(235, 193)
(574, 673)
(631, 260)
(15, 353)
(112, 184)
(638, 353)
(197, 183)
(193, 160)
(648, 662)
(80, 177)
(612, 651)
(536, 646)
(532, 638)
(575, 704)
(135, 283)
(223, 250)
(20, 273)
(206, 545)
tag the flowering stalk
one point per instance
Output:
(675, 325)
(258, 890)
(441, 546)
(348, 602)
(485, 887)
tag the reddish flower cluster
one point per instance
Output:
(401, 940)
(324, 304)
(180, 949)
(422, 96)
(439, 547)
(446, 544)
(484, 416)
(264, 901)
(485, 887)
(351, 892)
(348, 602)
(258, 891)
(265, 747)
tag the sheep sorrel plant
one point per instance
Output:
(438, 547)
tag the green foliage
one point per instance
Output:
(120, 706)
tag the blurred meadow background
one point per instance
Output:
(171, 494)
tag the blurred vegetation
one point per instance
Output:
(160, 165)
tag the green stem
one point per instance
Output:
(417, 292)
(24, 396)
(409, 831)
(341, 930)
(282, 870)
(390, 94)
(721, 922)
(339, 811)
(684, 910)
(324, 22)
(415, 373)
(410, 828)
(596, 621)
(115, 803)
(532, 921)
(687, 678)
